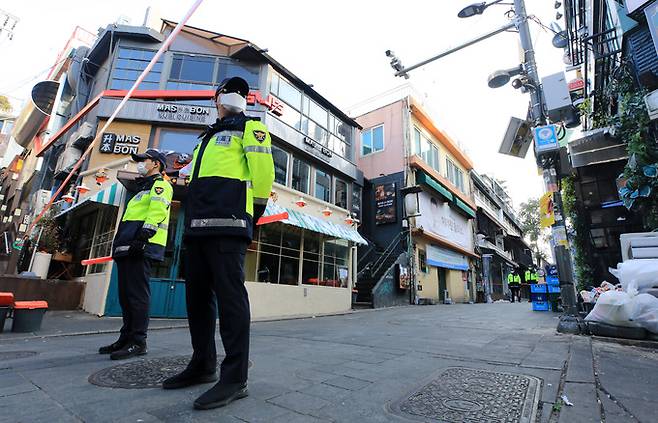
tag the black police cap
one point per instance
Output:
(233, 85)
(152, 154)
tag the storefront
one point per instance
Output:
(301, 260)
(444, 249)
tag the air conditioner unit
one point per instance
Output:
(67, 159)
(41, 198)
(83, 136)
(651, 100)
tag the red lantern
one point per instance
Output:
(349, 220)
(101, 177)
(327, 212)
(82, 189)
(68, 198)
(301, 202)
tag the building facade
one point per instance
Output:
(402, 149)
(499, 238)
(302, 258)
(613, 48)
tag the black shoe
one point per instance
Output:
(109, 349)
(221, 395)
(189, 377)
(131, 349)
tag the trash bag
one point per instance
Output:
(645, 312)
(643, 272)
(614, 308)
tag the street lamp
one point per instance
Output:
(501, 77)
(475, 9)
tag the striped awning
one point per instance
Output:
(112, 195)
(275, 213)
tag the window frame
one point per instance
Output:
(371, 131)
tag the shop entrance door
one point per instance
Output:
(442, 284)
(167, 278)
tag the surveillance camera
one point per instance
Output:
(389, 53)
(557, 5)
(517, 83)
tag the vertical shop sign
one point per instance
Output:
(385, 203)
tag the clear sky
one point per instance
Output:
(338, 47)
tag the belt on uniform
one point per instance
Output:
(218, 223)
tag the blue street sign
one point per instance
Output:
(546, 138)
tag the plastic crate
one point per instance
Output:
(538, 297)
(552, 289)
(552, 280)
(541, 306)
(538, 288)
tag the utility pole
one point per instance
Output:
(569, 322)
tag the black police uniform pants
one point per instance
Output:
(514, 291)
(215, 268)
(134, 296)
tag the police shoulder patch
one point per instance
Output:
(159, 190)
(260, 135)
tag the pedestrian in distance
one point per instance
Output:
(140, 240)
(231, 178)
(514, 283)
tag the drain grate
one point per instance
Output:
(14, 355)
(144, 373)
(470, 395)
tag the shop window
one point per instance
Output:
(192, 68)
(311, 257)
(322, 185)
(301, 173)
(129, 65)
(292, 118)
(422, 261)
(249, 73)
(280, 165)
(372, 140)
(318, 113)
(290, 245)
(417, 142)
(270, 251)
(178, 140)
(288, 93)
(335, 256)
(341, 194)
(454, 174)
(315, 131)
(102, 244)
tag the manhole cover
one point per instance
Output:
(144, 373)
(470, 395)
(13, 355)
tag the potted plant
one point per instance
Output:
(49, 241)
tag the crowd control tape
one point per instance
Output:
(99, 134)
(96, 260)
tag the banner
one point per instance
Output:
(385, 204)
(546, 210)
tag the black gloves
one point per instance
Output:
(259, 209)
(145, 234)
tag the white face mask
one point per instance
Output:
(233, 102)
(141, 169)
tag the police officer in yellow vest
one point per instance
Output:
(140, 240)
(514, 283)
(231, 179)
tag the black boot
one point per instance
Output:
(189, 377)
(109, 349)
(131, 349)
(221, 395)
